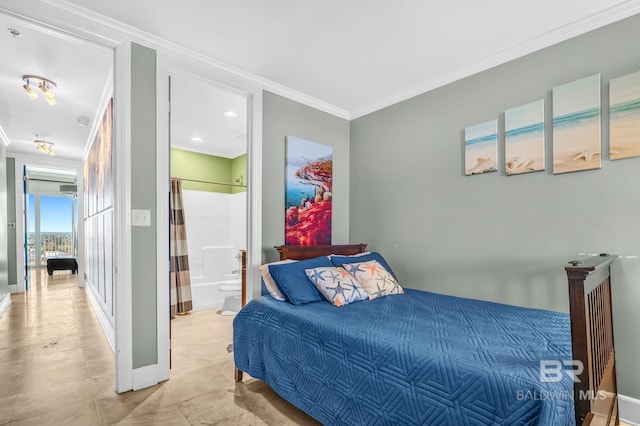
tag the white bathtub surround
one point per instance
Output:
(216, 231)
(213, 295)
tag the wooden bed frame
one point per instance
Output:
(595, 391)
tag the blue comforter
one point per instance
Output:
(419, 358)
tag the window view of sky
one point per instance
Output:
(55, 213)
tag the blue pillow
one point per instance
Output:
(339, 260)
(293, 283)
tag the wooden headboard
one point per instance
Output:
(298, 253)
(308, 252)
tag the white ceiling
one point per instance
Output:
(81, 72)
(354, 56)
(197, 112)
(361, 55)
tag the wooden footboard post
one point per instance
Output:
(237, 374)
(595, 391)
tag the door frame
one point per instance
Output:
(171, 64)
(80, 23)
(22, 160)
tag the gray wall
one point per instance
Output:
(4, 278)
(143, 196)
(11, 217)
(491, 236)
(282, 117)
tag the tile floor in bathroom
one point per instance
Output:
(57, 368)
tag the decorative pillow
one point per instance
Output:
(339, 260)
(336, 285)
(268, 281)
(292, 281)
(374, 278)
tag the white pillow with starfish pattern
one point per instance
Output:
(375, 279)
(336, 285)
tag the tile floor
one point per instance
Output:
(57, 368)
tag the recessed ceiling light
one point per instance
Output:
(14, 33)
(83, 121)
(230, 114)
(196, 139)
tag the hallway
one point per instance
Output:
(57, 368)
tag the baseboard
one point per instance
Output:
(13, 288)
(629, 410)
(108, 329)
(5, 302)
(146, 376)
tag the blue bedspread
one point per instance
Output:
(420, 358)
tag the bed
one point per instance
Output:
(427, 358)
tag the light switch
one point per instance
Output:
(140, 217)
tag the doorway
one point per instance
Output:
(208, 165)
(51, 216)
(55, 92)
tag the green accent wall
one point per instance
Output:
(239, 171)
(210, 168)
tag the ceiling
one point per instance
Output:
(80, 87)
(198, 121)
(361, 55)
(198, 107)
(354, 56)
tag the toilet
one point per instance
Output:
(216, 288)
(232, 303)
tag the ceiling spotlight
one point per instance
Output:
(14, 33)
(32, 93)
(44, 84)
(83, 121)
(230, 114)
(196, 139)
(44, 147)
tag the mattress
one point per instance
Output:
(415, 359)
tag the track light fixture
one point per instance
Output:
(44, 147)
(44, 84)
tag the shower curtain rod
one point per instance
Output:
(211, 182)
(26, 178)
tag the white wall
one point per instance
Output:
(213, 220)
(238, 219)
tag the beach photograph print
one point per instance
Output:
(576, 126)
(481, 148)
(524, 138)
(624, 117)
(308, 193)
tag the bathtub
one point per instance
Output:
(212, 295)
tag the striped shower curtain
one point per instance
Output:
(180, 278)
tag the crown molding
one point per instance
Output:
(589, 23)
(3, 137)
(161, 44)
(576, 28)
